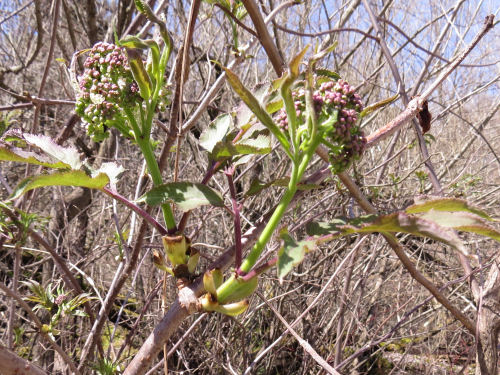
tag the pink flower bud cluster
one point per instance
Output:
(337, 101)
(60, 299)
(106, 86)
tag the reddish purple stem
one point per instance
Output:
(236, 214)
(139, 211)
(260, 269)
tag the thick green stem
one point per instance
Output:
(152, 164)
(297, 172)
(264, 238)
(231, 284)
(155, 172)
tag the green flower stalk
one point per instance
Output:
(117, 90)
(329, 118)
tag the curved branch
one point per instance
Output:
(12, 364)
(407, 263)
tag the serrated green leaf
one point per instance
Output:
(216, 132)
(256, 186)
(258, 142)
(291, 253)
(398, 222)
(9, 153)
(131, 41)
(321, 228)
(321, 54)
(186, 195)
(330, 120)
(274, 106)
(252, 102)
(243, 113)
(243, 159)
(141, 6)
(57, 156)
(240, 11)
(79, 313)
(463, 221)
(327, 73)
(68, 155)
(63, 178)
(154, 51)
(482, 230)
(445, 204)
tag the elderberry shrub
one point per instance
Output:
(105, 88)
(337, 108)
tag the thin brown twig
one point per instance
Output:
(415, 105)
(264, 36)
(395, 72)
(38, 46)
(95, 332)
(407, 263)
(67, 275)
(487, 26)
(145, 307)
(193, 15)
(309, 307)
(437, 56)
(305, 345)
(423, 73)
(45, 74)
(236, 20)
(17, 11)
(327, 32)
(172, 350)
(404, 319)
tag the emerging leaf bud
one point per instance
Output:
(235, 289)
(176, 248)
(194, 257)
(160, 262)
(230, 309)
(209, 284)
